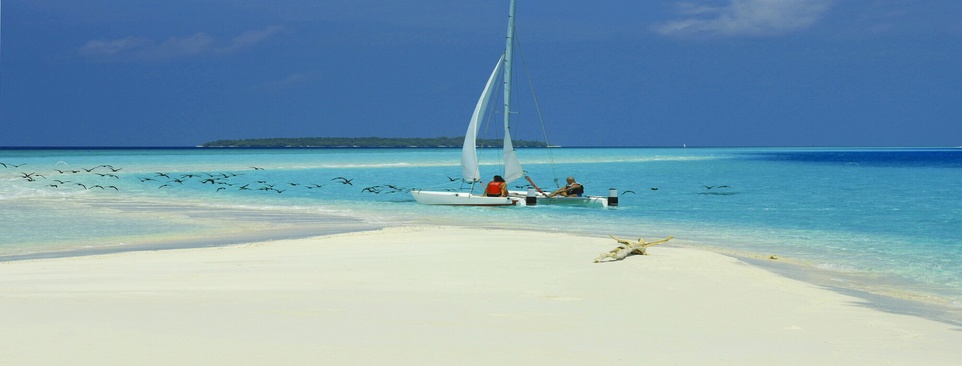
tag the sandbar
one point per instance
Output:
(441, 295)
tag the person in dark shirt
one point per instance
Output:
(572, 189)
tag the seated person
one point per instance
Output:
(572, 189)
(496, 187)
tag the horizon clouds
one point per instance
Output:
(745, 18)
(132, 48)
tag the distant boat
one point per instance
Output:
(511, 166)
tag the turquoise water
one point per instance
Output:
(890, 217)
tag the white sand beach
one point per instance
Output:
(442, 296)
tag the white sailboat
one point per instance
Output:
(512, 167)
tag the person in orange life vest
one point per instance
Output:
(496, 187)
(572, 189)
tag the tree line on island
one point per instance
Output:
(364, 142)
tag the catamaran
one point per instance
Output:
(470, 172)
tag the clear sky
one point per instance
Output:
(607, 72)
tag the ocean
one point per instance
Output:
(882, 221)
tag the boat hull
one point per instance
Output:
(513, 199)
(462, 199)
(591, 201)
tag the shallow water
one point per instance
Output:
(890, 215)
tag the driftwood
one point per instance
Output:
(628, 248)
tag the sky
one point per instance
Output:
(605, 72)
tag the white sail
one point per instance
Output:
(469, 152)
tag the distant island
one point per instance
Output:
(363, 142)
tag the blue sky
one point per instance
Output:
(606, 72)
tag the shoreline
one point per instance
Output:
(903, 301)
(442, 294)
(223, 240)
(179, 244)
(187, 224)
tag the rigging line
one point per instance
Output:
(490, 118)
(537, 108)
(461, 183)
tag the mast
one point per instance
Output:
(512, 168)
(508, 61)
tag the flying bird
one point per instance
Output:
(30, 176)
(108, 166)
(344, 180)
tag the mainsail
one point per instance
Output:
(469, 152)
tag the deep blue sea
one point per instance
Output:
(881, 220)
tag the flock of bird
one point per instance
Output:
(219, 181)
